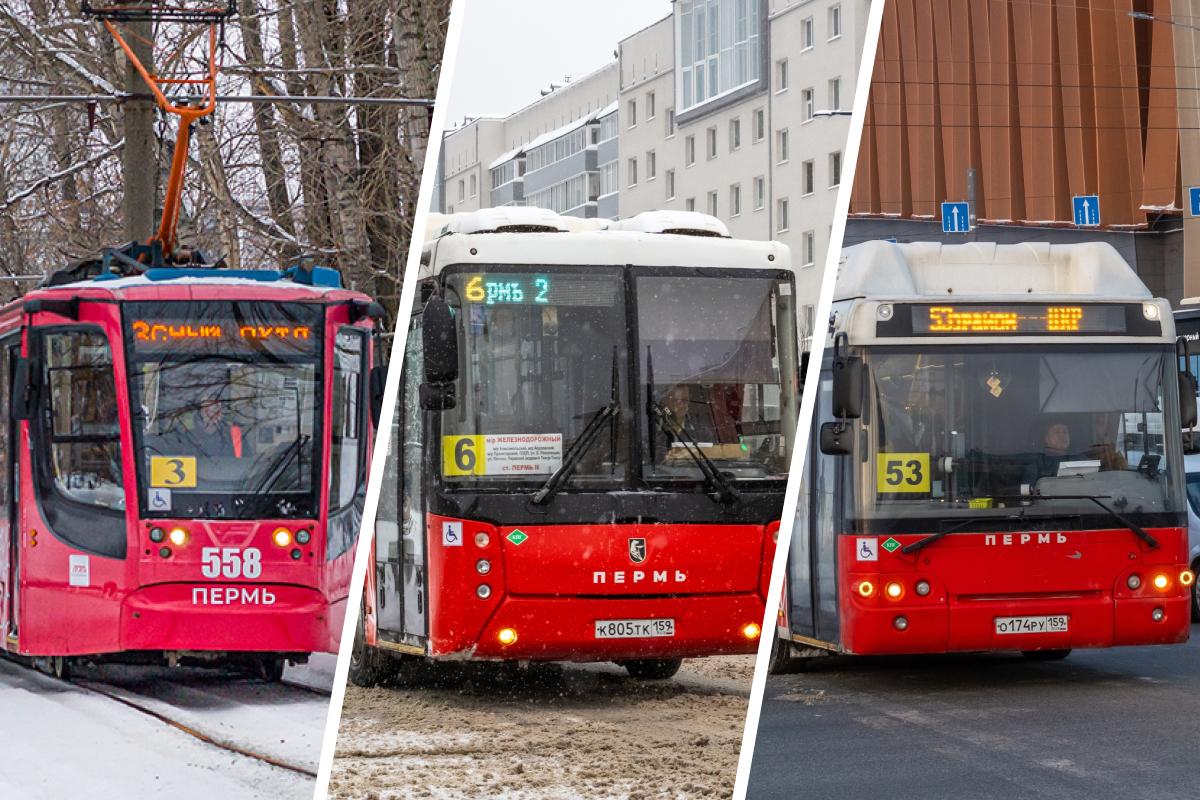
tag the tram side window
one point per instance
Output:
(346, 441)
(85, 443)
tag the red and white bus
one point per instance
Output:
(184, 455)
(591, 445)
(995, 463)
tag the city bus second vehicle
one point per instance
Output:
(592, 445)
(995, 461)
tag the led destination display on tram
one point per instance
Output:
(223, 327)
(1018, 319)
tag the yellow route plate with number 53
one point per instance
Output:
(903, 472)
(173, 472)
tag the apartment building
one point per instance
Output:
(735, 108)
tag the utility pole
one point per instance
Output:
(139, 163)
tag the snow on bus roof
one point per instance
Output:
(985, 269)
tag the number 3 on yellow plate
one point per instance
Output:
(903, 472)
(173, 472)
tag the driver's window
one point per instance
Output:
(85, 443)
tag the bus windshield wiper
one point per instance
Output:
(913, 547)
(1137, 530)
(583, 442)
(663, 418)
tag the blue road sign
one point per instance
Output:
(1194, 200)
(956, 218)
(1087, 209)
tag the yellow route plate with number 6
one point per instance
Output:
(173, 472)
(903, 472)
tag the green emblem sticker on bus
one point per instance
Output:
(891, 545)
(517, 537)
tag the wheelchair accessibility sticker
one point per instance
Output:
(867, 549)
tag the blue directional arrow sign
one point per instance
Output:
(956, 218)
(1087, 210)
(1194, 200)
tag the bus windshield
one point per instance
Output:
(963, 430)
(547, 351)
(225, 398)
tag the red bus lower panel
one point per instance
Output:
(564, 629)
(234, 618)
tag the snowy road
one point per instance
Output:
(62, 739)
(558, 732)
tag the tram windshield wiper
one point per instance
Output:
(609, 412)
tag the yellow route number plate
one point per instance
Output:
(903, 472)
(173, 472)
(463, 455)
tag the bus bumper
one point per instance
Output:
(564, 629)
(226, 618)
(970, 626)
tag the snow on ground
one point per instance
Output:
(317, 673)
(551, 732)
(63, 740)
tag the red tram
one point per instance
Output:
(184, 455)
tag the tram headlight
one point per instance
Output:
(282, 537)
(1134, 582)
(1161, 582)
(483, 566)
(483, 591)
(303, 537)
(157, 535)
(894, 590)
(178, 537)
(751, 630)
(922, 588)
(1150, 311)
(506, 636)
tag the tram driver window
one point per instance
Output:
(85, 444)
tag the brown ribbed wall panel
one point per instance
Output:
(1047, 100)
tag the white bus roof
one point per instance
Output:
(986, 270)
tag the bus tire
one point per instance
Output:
(1195, 596)
(270, 669)
(652, 669)
(781, 662)
(1046, 655)
(368, 665)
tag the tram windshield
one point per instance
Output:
(964, 431)
(546, 375)
(225, 398)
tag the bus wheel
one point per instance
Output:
(368, 666)
(269, 669)
(781, 662)
(651, 669)
(1195, 597)
(60, 667)
(1045, 655)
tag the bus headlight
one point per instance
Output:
(1161, 582)
(282, 537)
(506, 636)
(178, 537)
(751, 630)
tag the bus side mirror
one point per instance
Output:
(836, 439)
(376, 382)
(848, 387)
(26, 388)
(1187, 399)
(439, 342)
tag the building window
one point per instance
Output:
(760, 193)
(781, 75)
(760, 124)
(608, 128)
(670, 122)
(474, 186)
(689, 204)
(712, 203)
(806, 104)
(781, 144)
(649, 105)
(835, 94)
(505, 173)
(670, 184)
(835, 21)
(719, 48)
(806, 33)
(808, 177)
(462, 190)
(711, 138)
(632, 172)
(631, 109)
(554, 151)
(608, 178)
(562, 197)
(808, 247)
(689, 150)
(835, 169)
(651, 166)
(781, 215)
(735, 200)
(735, 134)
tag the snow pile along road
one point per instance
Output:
(547, 732)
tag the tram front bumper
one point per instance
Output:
(226, 618)
(565, 628)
